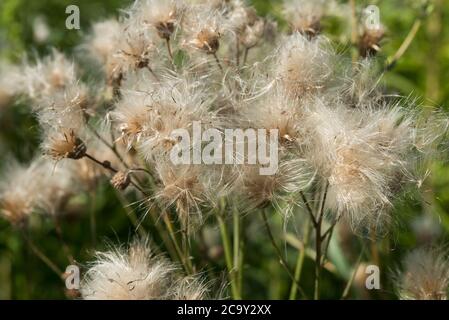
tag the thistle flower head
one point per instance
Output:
(303, 66)
(11, 83)
(203, 26)
(18, 192)
(241, 16)
(64, 109)
(103, 41)
(275, 110)
(63, 143)
(131, 115)
(37, 186)
(190, 288)
(304, 16)
(369, 42)
(135, 49)
(49, 75)
(57, 185)
(292, 176)
(135, 274)
(360, 154)
(174, 105)
(185, 187)
(162, 15)
(424, 275)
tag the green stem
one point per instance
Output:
(281, 258)
(92, 218)
(228, 256)
(351, 280)
(236, 240)
(38, 253)
(318, 242)
(300, 262)
(184, 260)
(405, 44)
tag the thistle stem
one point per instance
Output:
(228, 256)
(300, 262)
(107, 144)
(354, 31)
(318, 243)
(64, 245)
(405, 45)
(245, 56)
(170, 53)
(236, 242)
(281, 258)
(39, 254)
(237, 53)
(348, 286)
(185, 262)
(218, 62)
(107, 165)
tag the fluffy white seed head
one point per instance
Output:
(19, 190)
(283, 187)
(424, 275)
(53, 73)
(37, 187)
(136, 273)
(203, 27)
(191, 189)
(162, 15)
(363, 155)
(175, 105)
(303, 66)
(103, 41)
(136, 48)
(11, 83)
(304, 16)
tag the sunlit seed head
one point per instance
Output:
(65, 144)
(305, 16)
(304, 66)
(136, 273)
(162, 15)
(424, 275)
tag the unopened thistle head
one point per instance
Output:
(136, 273)
(369, 42)
(424, 275)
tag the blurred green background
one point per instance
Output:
(422, 72)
